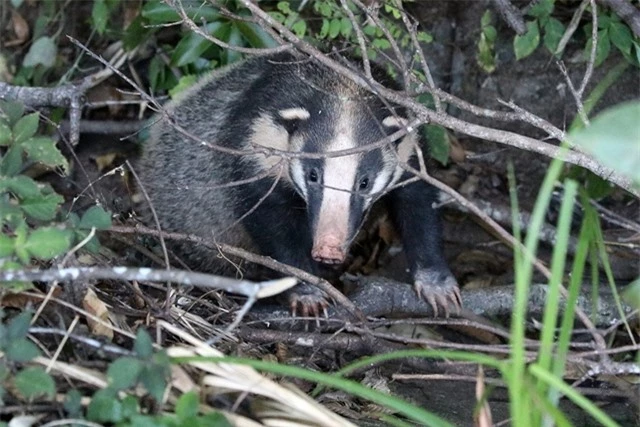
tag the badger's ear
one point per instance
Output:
(290, 118)
(394, 123)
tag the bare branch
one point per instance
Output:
(511, 15)
(243, 287)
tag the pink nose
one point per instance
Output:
(328, 251)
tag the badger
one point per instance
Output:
(280, 154)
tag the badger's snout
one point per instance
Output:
(329, 249)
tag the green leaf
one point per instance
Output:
(18, 327)
(527, 43)
(438, 140)
(42, 52)
(284, 7)
(334, 28)
(381, 44)
(542, 9)
(553, 31)
(100, 16)
(21, 186)
(21, 239)
(613, 138)
(96, 217)
(5, 134)
(26, 127)
(47, 243)
(92, 245)
(346, 27)
(602, 49)
(21, 351)
(299, 28)
(192, 46)
(184, 83)
(105, 407)
(7, 245)
(143, 345)
(486, 19)
(124, 372)
(188, 405)
(154, 379)
(324, 29)
(11, 163)
(42, 208)
(621, 37)
(73, 403)
(424, 37)
(44, 150)
(217, 419)
(11, 110)
(130, 406)
(632, 294)
(485, 57)
(34, 382)
(234, 38)
(255, 35)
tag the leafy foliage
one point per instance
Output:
(31, 382)
(33, 227)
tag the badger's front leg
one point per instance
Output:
(280, 230)
(419, 225)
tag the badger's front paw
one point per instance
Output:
(308, 299)
(439, 288)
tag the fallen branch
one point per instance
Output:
(378, 296)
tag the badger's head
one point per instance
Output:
(339, 189)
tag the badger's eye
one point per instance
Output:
(312, 176)
(364, 183)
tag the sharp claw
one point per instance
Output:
(432, 300)
(442, 300)
(457, 300)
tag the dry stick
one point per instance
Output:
(392, 42)
(572, 27)
(594, 44)
(360, 37)
(504, 137)
(248, 288)
(577, 93)
(254, 258)
(511, 15)
(411, 29)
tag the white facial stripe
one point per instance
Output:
(298, 113)
(297, 174)
(382, 179)
(338, 181)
